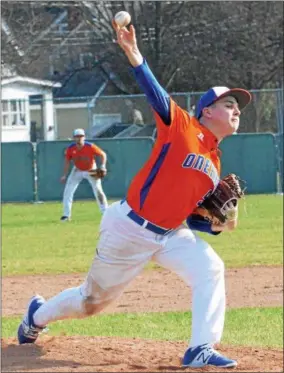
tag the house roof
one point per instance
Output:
(79, 83)
(24, 79)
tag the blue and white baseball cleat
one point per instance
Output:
(28, 331)
(200, 356)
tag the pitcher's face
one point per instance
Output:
(225, 114)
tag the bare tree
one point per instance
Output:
(194, 45)
(189, 45)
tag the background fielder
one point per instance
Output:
(82, 154)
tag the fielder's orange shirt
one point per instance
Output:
(83, 158)
(183, 168)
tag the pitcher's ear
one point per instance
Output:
(207, 112)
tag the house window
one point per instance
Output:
(13, 113)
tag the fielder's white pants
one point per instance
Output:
(72, 183)
(123, 249)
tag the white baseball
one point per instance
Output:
(122, 18)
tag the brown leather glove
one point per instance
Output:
(98, 173)
(221, 206)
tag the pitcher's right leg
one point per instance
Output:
(117, 262)
(79, 302)
(89, 298)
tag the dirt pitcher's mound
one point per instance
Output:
(102, 354)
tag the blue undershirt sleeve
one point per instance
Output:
(158, 98)
(198, 223)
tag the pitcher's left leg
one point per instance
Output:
(200, 267)
(99, 194)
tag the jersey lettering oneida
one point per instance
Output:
(201, 163)
(183, 169)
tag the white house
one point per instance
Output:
(15, 93)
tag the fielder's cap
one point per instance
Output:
(214, 94)
(79, 132)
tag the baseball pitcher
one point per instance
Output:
(82, 154)
(174, 186)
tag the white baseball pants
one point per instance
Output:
(72, 183)
(123, 249)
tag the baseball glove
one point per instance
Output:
(98, 173)
(221, 206)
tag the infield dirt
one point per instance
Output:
(152, 291)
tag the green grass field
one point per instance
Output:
(261, 327)
(35, 241)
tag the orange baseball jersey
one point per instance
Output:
(183, 168)
(83, 158)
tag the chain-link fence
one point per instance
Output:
(124, 116)
(131, 115)
(114, 115)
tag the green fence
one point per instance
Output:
(125, 158)
(279, 150)
(254, 158)
(17, 172)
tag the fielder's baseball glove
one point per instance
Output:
(98, 173)
(221, 206)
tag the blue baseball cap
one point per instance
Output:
(214, 94)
